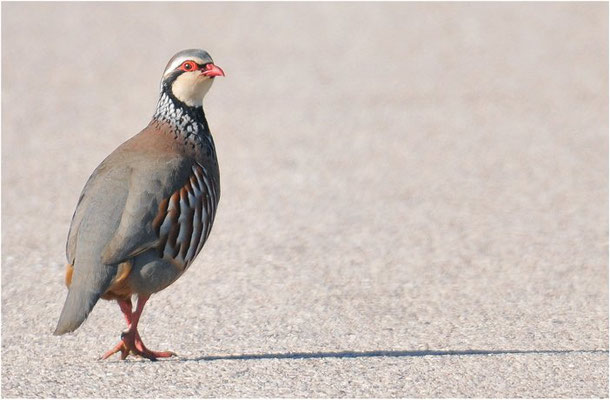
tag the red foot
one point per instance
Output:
(132, 343)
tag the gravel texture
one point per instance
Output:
(414, 198)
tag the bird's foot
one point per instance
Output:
(122, 347)
(131, 343)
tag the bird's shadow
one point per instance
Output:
(379, 353)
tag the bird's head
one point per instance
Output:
(189, 75)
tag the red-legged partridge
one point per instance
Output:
(148, 208)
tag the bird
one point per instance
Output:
(146, 211)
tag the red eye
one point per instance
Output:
(188, 66)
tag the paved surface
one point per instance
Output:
(415, 198)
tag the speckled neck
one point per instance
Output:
(188, 121)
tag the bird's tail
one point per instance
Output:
(85, 290)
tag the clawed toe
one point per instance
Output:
(132, 344)
(122, 347)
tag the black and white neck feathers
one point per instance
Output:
(187, 123)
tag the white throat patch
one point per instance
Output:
(191, 87)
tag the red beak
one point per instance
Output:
(212, 70)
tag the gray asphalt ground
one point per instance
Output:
(414, 198)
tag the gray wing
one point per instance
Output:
(105, 189)
(170, 207)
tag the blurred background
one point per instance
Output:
(395, 177)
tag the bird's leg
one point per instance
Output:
(142, 350)
(131, 342)
(126, 308)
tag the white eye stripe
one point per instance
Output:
(178, 62)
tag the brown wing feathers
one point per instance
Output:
(184, 220)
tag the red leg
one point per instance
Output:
(144, 352)
(131, 342)
(126, 307)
